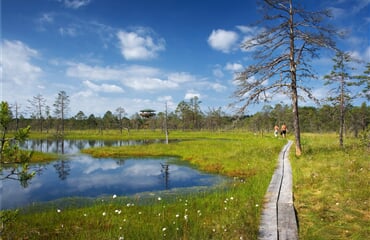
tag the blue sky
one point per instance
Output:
(140, 54)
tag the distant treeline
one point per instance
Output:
(312, 119)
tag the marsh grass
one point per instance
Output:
(331, 188)
(136, 134)
(217, 215)
(231, 212)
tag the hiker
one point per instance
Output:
(276, 130)
(283, 130)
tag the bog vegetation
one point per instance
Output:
(329, 192)
(330, 178)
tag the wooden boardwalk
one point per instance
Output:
(278, 219)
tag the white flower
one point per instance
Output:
(58, 210)
(114, 196)
(177, 215)
(159, 198)
(164, 229)
(104, 213)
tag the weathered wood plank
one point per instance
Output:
(278, 220)
(287, 223)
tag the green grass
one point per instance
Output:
(331, 188)
(231, 212)
(132, 134)
(331, 191)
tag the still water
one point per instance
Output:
(75, 146)
(80, 175)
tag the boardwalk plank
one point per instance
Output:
(278, 220)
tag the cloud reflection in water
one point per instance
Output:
(90, 177)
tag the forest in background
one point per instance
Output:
(189, 116)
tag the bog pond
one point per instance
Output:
(80, 175)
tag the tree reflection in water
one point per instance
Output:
(165, 174)
(62, 167)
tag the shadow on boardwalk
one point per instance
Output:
(278, 217)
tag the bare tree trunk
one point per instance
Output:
(297, 131)
(294, 92)
(341, 120)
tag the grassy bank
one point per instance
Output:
(331, 188)
(231, 213)
(133, 134)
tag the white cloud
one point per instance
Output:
(367, 54)
(81, 70)
(223, 40)
(139, 45)
(218, 87)
(181, 77)
(16, 63)
(150, 84)
(234, 67)
(75, 4)
(361, 56)
(135, 76)
(247, 29)
(103, 87)
(191, 94)
(165, 99)
(217, 72)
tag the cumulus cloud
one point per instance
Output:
(218, 87)
(139, 44)
(234, 67)
(16, 63)
(109, 88)
(181, 77)
(150, 84)
(135, 76)
(191, 94)
(83, 71)
(223, 40)
(165, 99)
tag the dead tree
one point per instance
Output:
(285, 41)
